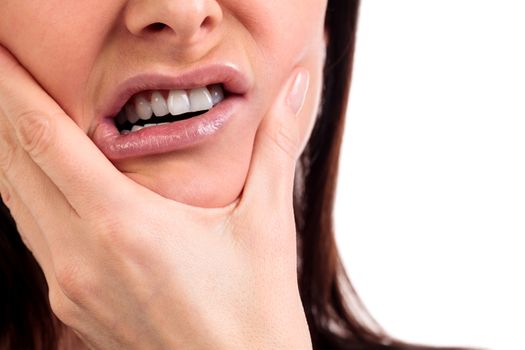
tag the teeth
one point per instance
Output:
(158, 104)
(143, 108)
(217, 95)
(131, 114)
(178, 102)
(200, 100)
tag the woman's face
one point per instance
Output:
(82, 51)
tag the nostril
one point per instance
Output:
(207, 23)
(156, 27)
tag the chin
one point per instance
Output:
(210, 175)
(196, 186)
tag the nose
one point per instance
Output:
(186, 21)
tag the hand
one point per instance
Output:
(129, 269)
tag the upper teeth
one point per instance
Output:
(178, 102)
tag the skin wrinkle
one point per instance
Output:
(78, 50)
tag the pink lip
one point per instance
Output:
(177, 135)
(164, 138)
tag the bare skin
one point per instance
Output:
(79, 50)
(209, 208)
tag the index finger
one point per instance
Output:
(55, 143)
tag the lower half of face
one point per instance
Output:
(80, 52)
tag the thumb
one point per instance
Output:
(269, 184)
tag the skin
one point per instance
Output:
(229, 172)
(108, 40)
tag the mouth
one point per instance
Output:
(158, 113)
(161, 107)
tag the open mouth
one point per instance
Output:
(159, 112)
(159, 107)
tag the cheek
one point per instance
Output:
(57, 41)
(289, 43)
(313, 61)
(273, 37)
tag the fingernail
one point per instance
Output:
(298, 90)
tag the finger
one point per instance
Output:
(67, 311)
(59, 147)
(38, 195)
(35, 241)
(29, 231)
(269, 184)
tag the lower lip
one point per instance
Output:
(164, 138)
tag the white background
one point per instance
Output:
(430, 214)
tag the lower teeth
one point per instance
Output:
(127, 127)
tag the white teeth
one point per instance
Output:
(143, 108)
(148, 125)
(136, 128)
(200, 99)
(158, 104)
(217, 95)
(178, 102)
(131, 114)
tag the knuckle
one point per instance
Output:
(73, 283)
(109, 229)
(7, 151)
(35, 132)
(287, 140)
(130, 245)
(5, 195)
(62, 307)
(115, 238)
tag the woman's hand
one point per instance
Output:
(129, 269)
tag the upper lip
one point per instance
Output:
(233, 80)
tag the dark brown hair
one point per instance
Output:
(335, 314)
(336, 317)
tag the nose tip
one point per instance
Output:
(184, 20)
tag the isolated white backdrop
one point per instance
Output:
(430, 212)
